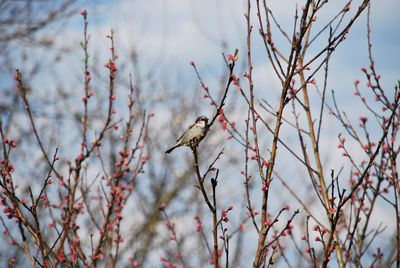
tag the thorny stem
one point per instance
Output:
(295, 51)
(23, 90)
(231, 67)
(76, 170)
(85, 83)
(317, 158)
(215, 221)
(213, 206)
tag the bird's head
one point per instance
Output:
(202, 119)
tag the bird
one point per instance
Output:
(193, 134)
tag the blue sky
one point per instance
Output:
(194, 30)
(168, 34)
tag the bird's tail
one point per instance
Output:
(172, 148)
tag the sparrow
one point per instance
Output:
(193, 134)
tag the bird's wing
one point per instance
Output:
(184, 133)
